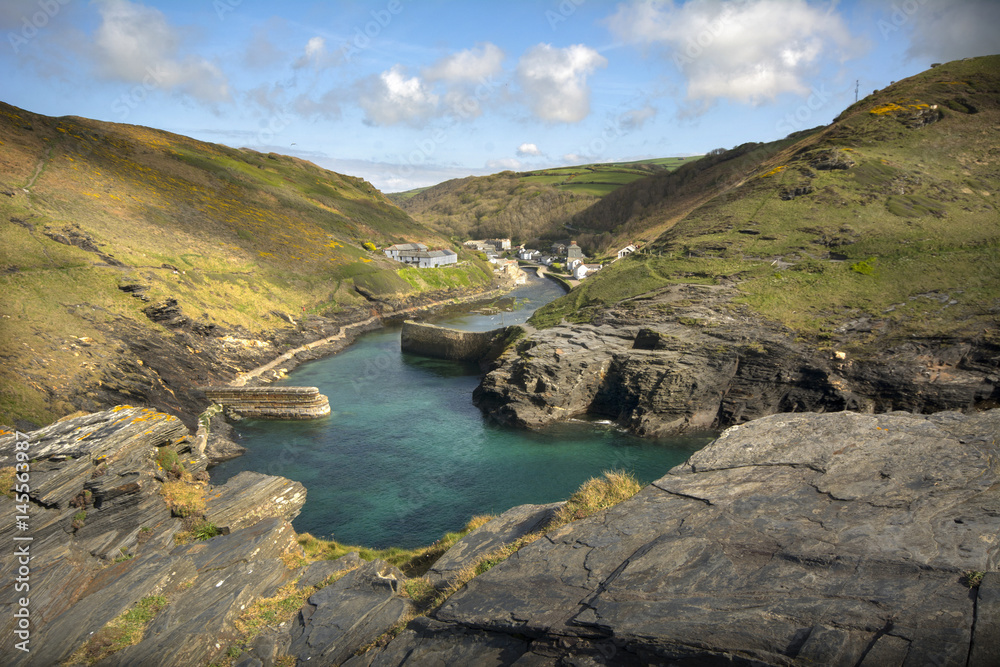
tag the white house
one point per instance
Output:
(394, 251)
(418, 254)
(584, 270)
(529, 255)
(627, 250)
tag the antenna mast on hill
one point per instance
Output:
(856, 82)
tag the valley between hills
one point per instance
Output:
(831, 299)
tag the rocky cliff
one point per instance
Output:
(837, 539)
(840, 538)
(689, 357)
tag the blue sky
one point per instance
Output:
(409, 93)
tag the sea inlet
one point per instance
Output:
(406, 457)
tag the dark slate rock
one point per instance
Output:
(113, 592)
(341, 618)
(508, 527)
(251, 496)
(795, 539)
(266, 540)
(986, 636)
(318, 572)
(191, 630)
(429, 642)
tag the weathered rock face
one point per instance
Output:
(711, 364)
(834, 539)
(102, 539)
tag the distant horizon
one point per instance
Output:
(408, 95)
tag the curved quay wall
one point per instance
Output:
(271, 402)
(433, 341)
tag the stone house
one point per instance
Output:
(418, 255)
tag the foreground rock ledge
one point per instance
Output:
(833, 539)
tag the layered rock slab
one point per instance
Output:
(795, 539)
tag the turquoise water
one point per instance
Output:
(405, 457)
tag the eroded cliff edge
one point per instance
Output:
(688, 357)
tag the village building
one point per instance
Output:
(584, 270)
(499, 244)
(627, 250)
(394, 251)
(558, 249)
(418, 255)
(529, 255)
(573, 251)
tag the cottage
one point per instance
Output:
(418, 255)
(529, 255)
(584, 270)
(574, 251)
(558, 249)
(499, 244)
(394, 251)
(627, 250)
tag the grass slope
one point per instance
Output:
(526, 205)
(888, 214)
(88, 207)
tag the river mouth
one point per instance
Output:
(405, 456)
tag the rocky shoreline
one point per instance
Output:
(795, 539)
(687, 358)
(143, 366)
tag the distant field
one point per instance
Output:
(588, 179)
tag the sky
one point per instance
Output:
(410, 93)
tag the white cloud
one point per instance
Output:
(469, 66)
(314, 53)
(504, 163)
(135, 44)
(555, 80)
(749, 52)
(946, 30)
(390, 99)
(636, 118)
(528, 149)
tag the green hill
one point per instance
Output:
(880, 226)
(523, 205)
(93, 215)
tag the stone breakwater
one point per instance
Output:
(270, 402)
(442, 343)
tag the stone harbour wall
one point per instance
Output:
(271, 402)
(453, 344)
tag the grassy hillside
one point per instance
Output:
(883, 225)
(523, 205)
(93, 213)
